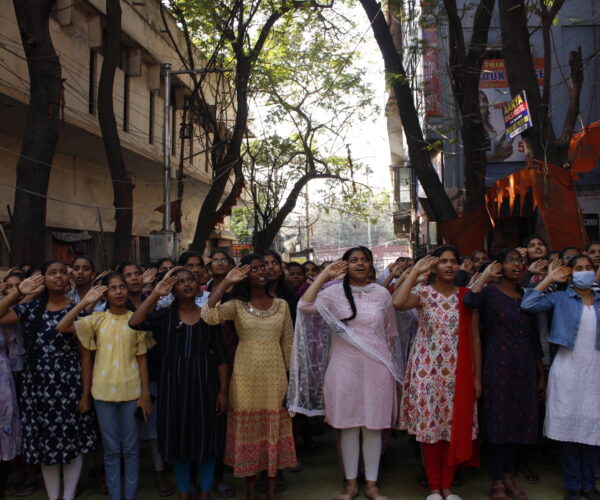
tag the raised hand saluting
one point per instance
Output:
(32, 285)
(334, 269)
(237, 274)
(94, 295)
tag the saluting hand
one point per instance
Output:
(560, 274)
(94, 294)
(164, 286)
(492, 272)
(336, 268)
(148, 276)
(237, 274)
(32, 285)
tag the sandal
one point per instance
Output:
(101, 483)
(514, 492)
(165, 489)
(350, 492)
(225, 490)
(529, 476)
(26, 490)
(373, 493)
(498, 492)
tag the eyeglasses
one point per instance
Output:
(513, 260)
(220, 261)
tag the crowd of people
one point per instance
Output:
(222, 364)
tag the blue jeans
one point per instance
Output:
(578, 463)
(120, 432)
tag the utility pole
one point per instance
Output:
(162, 243)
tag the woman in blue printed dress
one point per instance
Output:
(55, 401)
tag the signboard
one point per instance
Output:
(516, 115)
(494, 94)
(431, 73)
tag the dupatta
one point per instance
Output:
(462, 448)
(317, 322)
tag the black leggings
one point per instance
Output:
(503, 460)
(4, 470)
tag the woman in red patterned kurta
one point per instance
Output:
(440, 387)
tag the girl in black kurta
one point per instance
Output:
(192, 385)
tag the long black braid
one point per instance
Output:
(346, 281)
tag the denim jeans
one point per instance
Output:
(578, 463)
(120, 432)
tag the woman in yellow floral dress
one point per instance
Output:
(259, 427)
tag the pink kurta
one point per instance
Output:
(359, 389)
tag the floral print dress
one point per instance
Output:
(428, 392)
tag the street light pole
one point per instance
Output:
(167, 149)
(167, 133)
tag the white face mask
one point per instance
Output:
(583, 279)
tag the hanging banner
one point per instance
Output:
(517, 118)
(431, 73)
(494, 94)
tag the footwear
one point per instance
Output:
(373, 493)
(591, 494)
(572, 495)
(434, 496)
(529, 476)
(497, 491)
(514, 492)
(453, 496)
(225, 490)
(350, 492)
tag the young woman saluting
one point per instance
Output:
(193, 380)
(443, 376)
(119, 378)
(57, 426)
(259, 428)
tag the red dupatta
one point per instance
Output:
(462, 449)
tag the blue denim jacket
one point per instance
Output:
(568, 307)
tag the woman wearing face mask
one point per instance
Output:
(573, 401)
(443, 376)
(358, 394)
(259, 428)
(513, 376)
(57, 426)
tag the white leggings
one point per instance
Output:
(371, 450)
(71, 473)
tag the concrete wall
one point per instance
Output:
(80, 177)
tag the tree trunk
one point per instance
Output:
(41, 132)
(465, 70)
(210, 212)
(122, 187)
(539, 140)
(417, 146)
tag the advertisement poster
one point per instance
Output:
(517, 118)
(494, 94)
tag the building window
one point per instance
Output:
(151, 118)
(126, 102)
(403, 187)
(92, 83)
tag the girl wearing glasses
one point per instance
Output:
(512, 369)
(259, 427)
